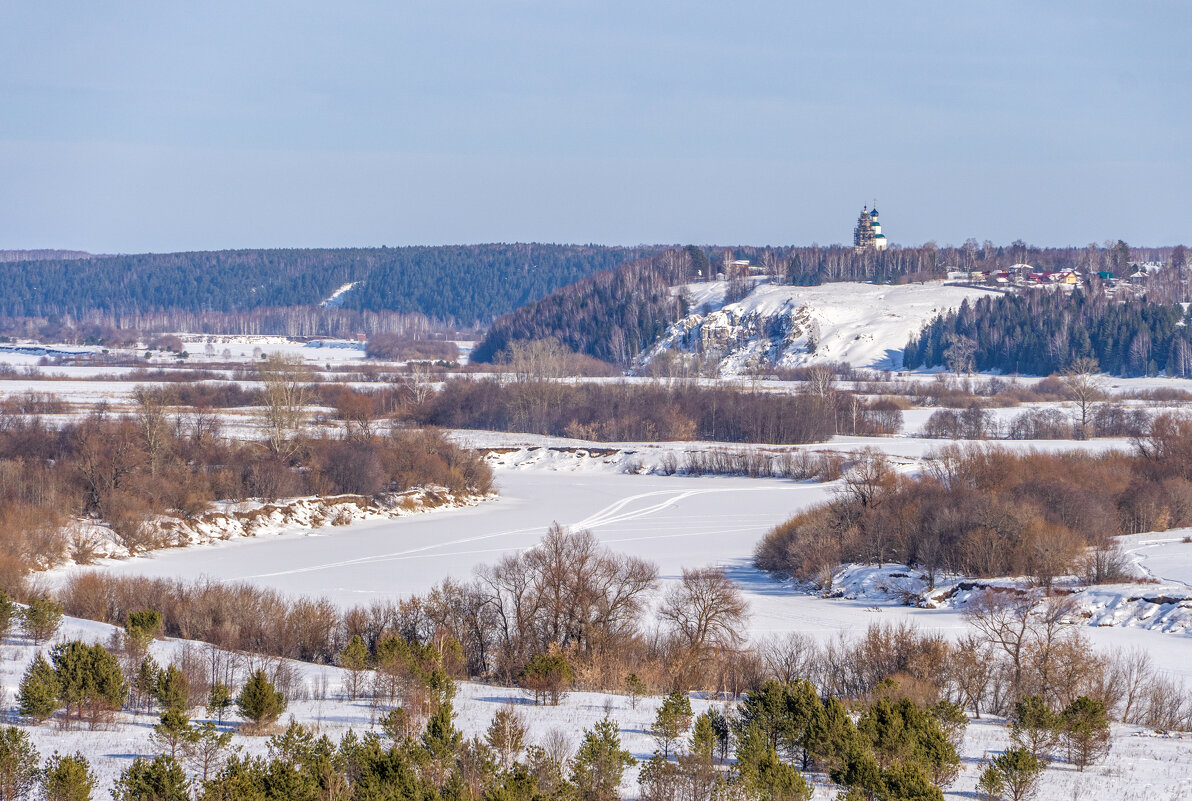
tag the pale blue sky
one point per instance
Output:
(166, 125)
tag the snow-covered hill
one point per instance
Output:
(866, 325)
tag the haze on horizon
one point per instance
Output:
(149, 126)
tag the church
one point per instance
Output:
(868, 233)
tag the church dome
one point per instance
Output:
(873, 213)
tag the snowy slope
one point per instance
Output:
(866, 325)
(1142, 764)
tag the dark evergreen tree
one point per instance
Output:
(38, 696)
(158, 779)
(259, 702)
(19, 764)
(67, 778)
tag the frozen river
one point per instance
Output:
(675, 522)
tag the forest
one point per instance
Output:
(1041, 333)
(464, 285)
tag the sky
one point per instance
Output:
(166, 125)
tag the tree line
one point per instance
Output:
(1045, 332)
(619, 412)
(616, 314)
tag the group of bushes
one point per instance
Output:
(394, 347)
(885, 746)
(799, 465)
(568, 596)
(432, 762)
(984, 511)
(126, 470)
(975, 422)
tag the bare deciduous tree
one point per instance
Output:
(705, 610)
(1084, 386)
(285, 396)
(152, 403)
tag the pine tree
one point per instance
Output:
(441, 739)
(159, 779)
(908, 781)
(547, 675)
(67, 778)
(19, 762)
(259, 701)
(173, 736)
(41, 619)
(207, 752)
(636, 689)
(218, 700)
(91, 679)
(7, 610)
(141, 628)
(722, 730)
(672, 721)
(703, 736)
(1035, 727)
(1084, 727)
(39, 692)
(146, 681)
(1013, 773)
(600, 763)
(762, 774)
(354, 659)
(173, 689)
(507, 735)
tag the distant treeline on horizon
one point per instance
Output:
(413, 289)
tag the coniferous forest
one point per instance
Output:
(1046, 332)
(463, 285)
(611, 316)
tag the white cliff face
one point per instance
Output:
(866, 325)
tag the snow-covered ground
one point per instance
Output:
(215, 348)
(866, 325)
